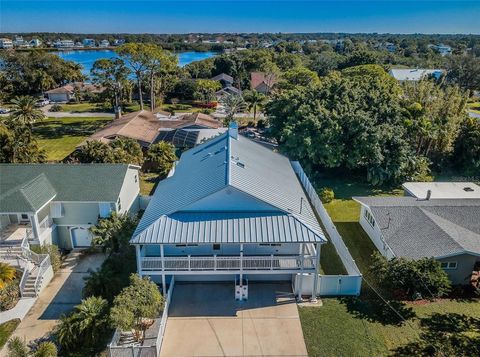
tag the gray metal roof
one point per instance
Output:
(427, 228)
(231, 162)
(27, 187)
(227, 227)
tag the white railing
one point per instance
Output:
(135, 349)
(45, 225)
(42, 269)
(216, 263)
(25, 275)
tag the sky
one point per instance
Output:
(123, 16)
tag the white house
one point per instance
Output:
(442, 49)
(232, 210)
(35, 42)
(414, 74)
(6, 43)
(64, 44)
(104, 43)
(436, 219)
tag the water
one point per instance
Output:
(87, 58)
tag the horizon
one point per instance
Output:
(241, 17)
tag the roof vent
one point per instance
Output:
(240, 164)
(468, 189)
(429, 194)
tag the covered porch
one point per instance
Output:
(15, 227)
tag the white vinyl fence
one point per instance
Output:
(330, 284)
(151, 346)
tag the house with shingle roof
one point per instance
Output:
(263, 82)
(439, 220)
(224, 79)
(232, 209)
(67, 92)
(57, 203)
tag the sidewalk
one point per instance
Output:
(59, 297)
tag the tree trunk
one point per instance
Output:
(254, 113)
(118, 109)
(140, 98)
(152, 93)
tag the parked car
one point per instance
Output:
(4, 110)
(42, 102)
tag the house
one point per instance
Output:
(88, 42)
(231, 211)
(118, 42)
(6, 43)
(104, 44)
(57, 203)
(224, 79)
(35, 42)
(67, 92)
(64, 44)
(142, 126)
(442, 49)
(19, 42)
(228, 90)
(414, 74)
(440, 220)
(262, 82)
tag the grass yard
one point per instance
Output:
(60, 136)
(84, 108)
(148, 182)
(6, 329)
(474, 107)
(367, 326)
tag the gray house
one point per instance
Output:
(57, 203)
(447, 229)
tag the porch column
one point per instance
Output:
(164, 284)
(241, 264)
(302, 264)
(35, 226)
(139, 259)
(317, 271)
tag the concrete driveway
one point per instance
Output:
(58, 297)
(205, 320)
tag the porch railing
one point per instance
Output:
(215, 263)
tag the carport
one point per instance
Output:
(205, 320)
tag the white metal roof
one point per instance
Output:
(414, 74)
(231, 162)
(445, 190)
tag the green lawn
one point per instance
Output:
(60, 136)
(148, 181)
(474, 107)
(6, 329)
(367, 326)
(84, 107)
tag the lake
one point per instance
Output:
(87, 58)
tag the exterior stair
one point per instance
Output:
(29, 290)
(10, 251)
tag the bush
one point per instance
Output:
(55, 108)
(52, 251)
(9, 295)
(327, 195)
(410, 278)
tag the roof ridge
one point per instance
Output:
(30, 183)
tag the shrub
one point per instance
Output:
(55, 108)
(161, 157)
(411, 278)
(327, 195)
(52, 251)
(9, 295)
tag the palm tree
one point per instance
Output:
(163, 156)
(232, 104)
(17, 347)
(25, 111)
(254, 100)
(7, 274)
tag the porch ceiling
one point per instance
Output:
(227, 227)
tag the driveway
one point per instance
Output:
(58, 297)
(205, 320)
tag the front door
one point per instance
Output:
(81, 237)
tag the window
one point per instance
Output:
(136, 179)
(448, 265)
(216, 247)
(270, 244)
(186, 245)
(368, 216)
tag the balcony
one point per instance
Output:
(277, 263)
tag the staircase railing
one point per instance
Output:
(23, 281)
(44, 265)
(42, 260)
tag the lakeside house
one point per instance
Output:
(88, 42)
(442, 49)
(262, 82)
(64, 44)
(104, 44)
(6, 43)
(58, 203)
(435, 219)
(66, 93)
(224, 79)
(231, 211)
(415, 74)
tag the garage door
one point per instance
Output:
(81, 237)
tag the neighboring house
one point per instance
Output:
(6, 43)
(104, 43)
(440, 220)
(224, 79)
(67, 92)
(19, 42)
(35, 42)
(88, 42)
(64, 44)
(415, 74)
(232, 210)
(262, 82)
(118, 42)
(58, 203)
(228, 90)
(442, 49)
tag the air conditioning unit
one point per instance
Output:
(241, 289)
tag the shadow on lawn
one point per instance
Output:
(58, 129)
(448, 334)
(376, 310)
